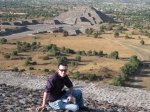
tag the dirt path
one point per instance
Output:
(141, 80)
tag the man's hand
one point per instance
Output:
(40, 108)
(69, 98)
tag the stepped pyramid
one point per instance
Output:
(84, 15)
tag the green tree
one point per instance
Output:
(116, 34)
(14, 53)
(65, 33)
(79, 52)
(91, 77)
(29, 58)
(127, 37)
(76, 75)
(95, 53)
(45, 57)
(83, 53)
(89, 31)
(31, 68)
(142, 42)
(127, 69)
(100, 53)
(26, 63)
(116, 81)
(45, 70)
(15, 69)
(89, 53)
(78, 58)
(110, 27)
(62, 59)
(74, 63)
(134, 60)
(96, 35)
(3, 41)
(6, 56)
(114, 55)
(101, 29)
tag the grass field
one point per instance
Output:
(101, 66)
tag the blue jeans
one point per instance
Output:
(59, 104)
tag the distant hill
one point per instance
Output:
(83, 15)
(86, 1)
(81, 1)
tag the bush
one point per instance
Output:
(22, 70)
(20, 57)
(6, 56)
(62, 59)
(89, 31)
(45, 57)
(96, 35)
(134, 60)
(27, 62)
(114, 55)
(78, 58)
(148, 34)
(91, 77)
(55, 53)
(74, 63)
(123, 77)
(34, 63)
(15, 69)
(14, 53)
(3, 40)
(31, 68)
(52, 71)
(100, 53)
(116, 82)
(142, 42)
(29, 58)
(23, 46)
(116, 34)
(79, 52)
(89, 53)
(76, 75)
(126, 37)
(95, 53)
(45, 70)
(65, 33)
(83, 53)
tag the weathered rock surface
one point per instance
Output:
(20, 92)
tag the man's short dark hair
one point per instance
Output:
(63, 64)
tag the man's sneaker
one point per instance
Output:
(84, 108)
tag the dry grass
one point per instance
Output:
(90, 64)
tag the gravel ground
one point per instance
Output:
(17, 94)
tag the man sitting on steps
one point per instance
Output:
(54, 95)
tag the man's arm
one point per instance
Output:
(43, 103)
(70, 91)
(70, 98)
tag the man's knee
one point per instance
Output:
(78, 91)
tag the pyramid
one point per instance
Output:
(84, 15)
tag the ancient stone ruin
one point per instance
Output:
(16, 27)
(83, 16)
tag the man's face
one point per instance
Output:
(62, 70)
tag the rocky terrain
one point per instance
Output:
(21, 92)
